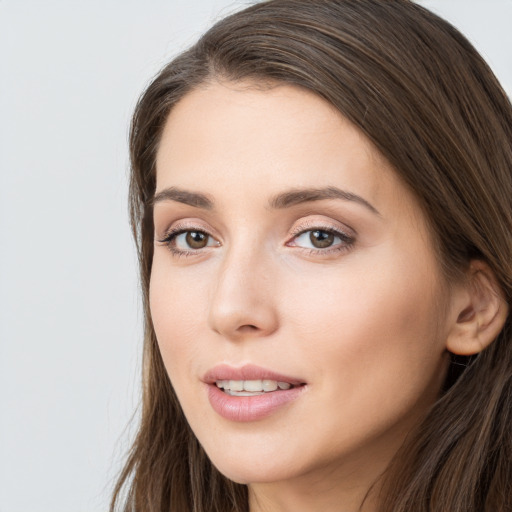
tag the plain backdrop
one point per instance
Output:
(70, 326)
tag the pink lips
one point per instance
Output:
(249, 408)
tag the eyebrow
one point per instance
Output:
(184, 196)
(280, 201)
(299, 196)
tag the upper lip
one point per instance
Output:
(247, 372)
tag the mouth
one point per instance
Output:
(252, 387)
(249, 379)
(250, 393)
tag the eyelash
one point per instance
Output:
(345, 244)
(346, 241)
(170, 238)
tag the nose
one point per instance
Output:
(242, 304)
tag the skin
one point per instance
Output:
(364, 322)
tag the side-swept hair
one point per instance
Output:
(422, 94)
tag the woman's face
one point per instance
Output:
(289, 255)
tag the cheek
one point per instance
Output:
(178, 311)
(374, 332)
(384, 301)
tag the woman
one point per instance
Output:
(321, 193)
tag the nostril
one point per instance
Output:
(247, 328)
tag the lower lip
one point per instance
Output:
(250, 408)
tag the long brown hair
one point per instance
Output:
(422, 94)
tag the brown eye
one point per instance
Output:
(196, 239)
(321, 239)
(189, 241)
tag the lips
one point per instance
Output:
(247, 373)
(250, 393)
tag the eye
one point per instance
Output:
(319, 238)
(181, 241)
(192, 240)
(322, 239)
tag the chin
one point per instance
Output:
(250, 471)
(249, 475)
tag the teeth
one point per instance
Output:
(251, 387)
(269, 385)
(243, 393)
(236, 385)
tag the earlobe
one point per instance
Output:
(481, 312)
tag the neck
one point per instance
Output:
(315, 492)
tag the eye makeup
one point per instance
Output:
(314, 236)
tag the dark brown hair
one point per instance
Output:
(422, 94)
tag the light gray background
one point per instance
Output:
(70, 73)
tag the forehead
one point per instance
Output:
(239, 114)
(226, 138)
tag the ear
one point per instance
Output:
(480, 311)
